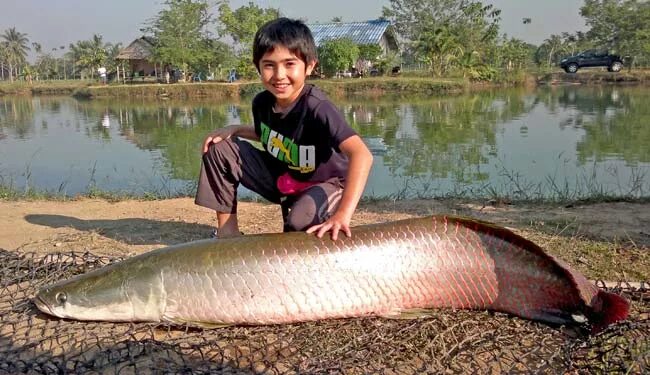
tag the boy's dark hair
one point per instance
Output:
(292, 34)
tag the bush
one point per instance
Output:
(337, 54)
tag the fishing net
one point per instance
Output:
(446, 342)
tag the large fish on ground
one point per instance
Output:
(383, 269)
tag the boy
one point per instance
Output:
(314, 164)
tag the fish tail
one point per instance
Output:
(608, 308)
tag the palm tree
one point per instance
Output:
(438, 47)
(65, 75)
(112, 50)
(469, 64)
(17, 45)
(4, 54)
(89, 54)
(37, 47)
(552, 47)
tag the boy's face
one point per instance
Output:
(283, 74)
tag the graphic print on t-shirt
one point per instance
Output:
(298, 157)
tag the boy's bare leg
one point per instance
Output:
(228, 226)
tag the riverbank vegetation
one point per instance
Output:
(335, 88)
(342, 88)
(584, 189)
(440, 38)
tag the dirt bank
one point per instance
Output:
(605, 240)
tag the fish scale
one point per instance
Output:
(359, 277)
(383, 269)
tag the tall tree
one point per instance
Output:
(242, 23)
(89, 55)
(438, 48)
(46, 66)
(181, 33)
(65, 58)
(437, 28)
(37, 47)
(620, 25)
(515, 54)
(473, 18)
(551, 50)
(16, 45)
(4, 58)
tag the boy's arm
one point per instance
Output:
(359, 167)
(242, 131)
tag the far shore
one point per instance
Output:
(337, 88)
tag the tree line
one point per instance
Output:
(445, 37)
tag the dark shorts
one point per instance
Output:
(234, 161)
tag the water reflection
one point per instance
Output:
(525, 144)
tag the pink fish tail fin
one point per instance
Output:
(612, 308)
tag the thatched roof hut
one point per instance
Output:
(139, 49)
(137, 59)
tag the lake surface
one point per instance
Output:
(551, 142)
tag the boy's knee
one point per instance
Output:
(220, 150)
(305, 214)
(314, 207)
(300, 221)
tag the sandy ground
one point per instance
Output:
(134, 226)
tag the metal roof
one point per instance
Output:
(368, 32)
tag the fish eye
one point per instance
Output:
(61, 298)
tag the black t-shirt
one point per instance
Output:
(306, 139)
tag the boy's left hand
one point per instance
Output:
(335, 224)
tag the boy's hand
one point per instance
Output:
(335, 224)
(218, 136)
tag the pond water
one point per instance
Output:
(565, 142)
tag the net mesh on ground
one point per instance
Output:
(446, 342)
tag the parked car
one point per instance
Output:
(592, 58)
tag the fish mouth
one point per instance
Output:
(42, 305)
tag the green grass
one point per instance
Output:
(336, 88)
(584, 188)
(55, 87)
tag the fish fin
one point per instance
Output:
(554, 316)
(608, 308)
(200, 324)
(408, 314)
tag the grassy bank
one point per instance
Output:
(43, 87)
(339, 88)
(336, 88)
(493, 195)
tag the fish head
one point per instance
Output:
(106, 294)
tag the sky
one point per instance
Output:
(55, 23)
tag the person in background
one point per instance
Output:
(312, 163)
(102, 74)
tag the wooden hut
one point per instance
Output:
(136, 62)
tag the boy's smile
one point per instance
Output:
(283, 73)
